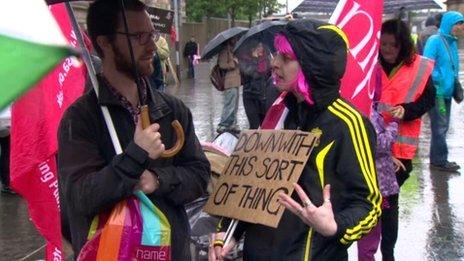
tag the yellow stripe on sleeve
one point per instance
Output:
(320, 162)
(358, 134)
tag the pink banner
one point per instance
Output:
(35, 120)
(361, 20)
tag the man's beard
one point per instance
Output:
(124, 65)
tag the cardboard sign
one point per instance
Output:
(161, 18)
(263, 164)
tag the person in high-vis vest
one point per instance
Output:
(407, 94)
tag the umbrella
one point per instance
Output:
(52, 2)
(389, 6)
(214, 46)
(263, 32)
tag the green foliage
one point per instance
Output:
(238, 9)
(197, 9)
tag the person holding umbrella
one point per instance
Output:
(337, 199)
(232, 81)
(92, 179)
(222, 45)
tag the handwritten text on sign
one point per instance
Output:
(263, 164)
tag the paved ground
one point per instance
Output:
(431, 203)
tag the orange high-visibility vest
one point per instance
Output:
(406, 86)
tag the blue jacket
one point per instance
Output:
(443, 74)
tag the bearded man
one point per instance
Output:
(92, 177)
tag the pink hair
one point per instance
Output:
(282, 45)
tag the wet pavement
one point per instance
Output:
(431, 203)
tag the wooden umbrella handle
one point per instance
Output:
(145, 116)
(180, 135)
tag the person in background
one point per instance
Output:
(157, 77)
(443, 49)
(386, 173)
(163, 54)
(232, 81)
(255, 67)
(5, 125)
(429, 30)
(407, 94)
(190, 50)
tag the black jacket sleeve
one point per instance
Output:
(187, 177)
(87, 187)
(356, 169)
(423, 104)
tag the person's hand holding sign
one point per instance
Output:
(217, 249)
(320, 218)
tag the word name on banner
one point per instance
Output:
(263, 164)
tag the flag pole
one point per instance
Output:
(93, 78)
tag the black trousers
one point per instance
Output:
(390, 216)
(5, 161)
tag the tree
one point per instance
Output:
(197, 9)
(245, 9)
(235, 7)
(270, 6)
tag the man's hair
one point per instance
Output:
(403, 38)
(104, 16)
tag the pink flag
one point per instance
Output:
(361, 20)
(35, 120)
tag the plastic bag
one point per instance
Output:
(196, 59)
(134, 230)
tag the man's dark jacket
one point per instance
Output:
(191, 48)
(92, 179)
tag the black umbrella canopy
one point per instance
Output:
(214, 46)
(389, 6)
(52, 2)
(263, 32)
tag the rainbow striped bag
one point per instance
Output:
(134, 230)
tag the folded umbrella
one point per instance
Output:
(214, 46)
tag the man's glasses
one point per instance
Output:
(143, 37)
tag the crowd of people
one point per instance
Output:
(366, 159)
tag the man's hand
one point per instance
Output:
(148, 182)
(149, 139)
